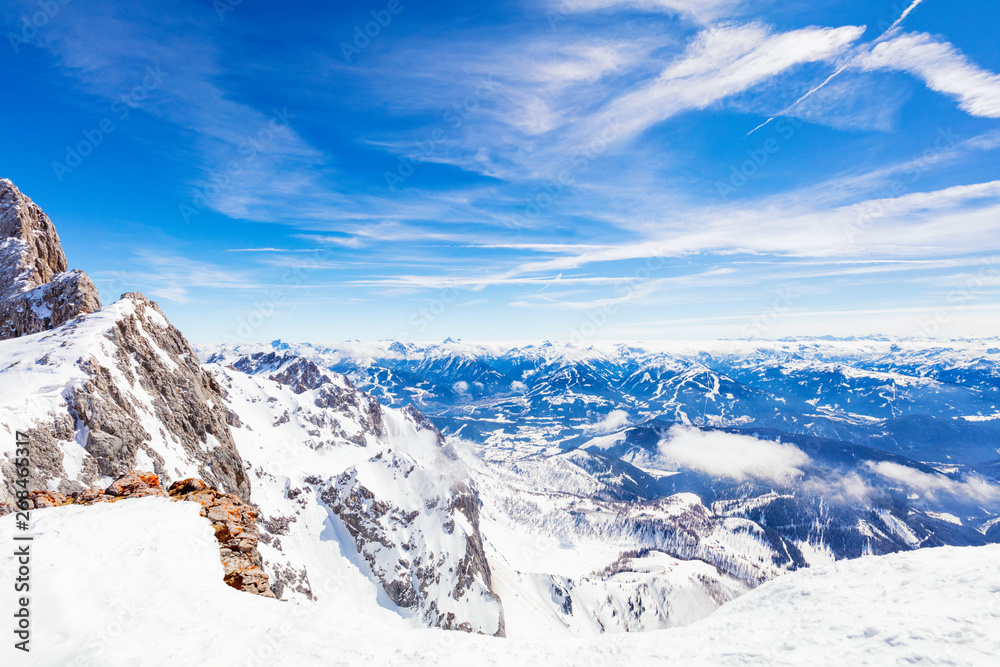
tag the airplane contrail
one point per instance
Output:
(906, 12)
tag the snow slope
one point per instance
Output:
(442, 533)
(139, 583)
(113, 390)
(347, 488)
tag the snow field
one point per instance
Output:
(139, 583)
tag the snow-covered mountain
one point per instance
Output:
(501, 490)
(927, 400)
(627, 425)
(334, 471)
(37, 291)
(345, 485)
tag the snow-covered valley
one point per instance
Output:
(737, 502)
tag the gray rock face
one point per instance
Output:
(134, 396)
(37, 292)
(390, 538)
(386, 477)
(301, 376)
(187, 402)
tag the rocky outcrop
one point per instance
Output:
(403, 558)
(386, 479)
(37, 291)
(302, 375)
(135, 394)
(422, 423)
(187, 402)
(234, 521)
(235, 524)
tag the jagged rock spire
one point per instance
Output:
(37, 292)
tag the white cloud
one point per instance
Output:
(943, 68)
(739, 457)
(917, 223)
(171, 277)
(853, 101)
(849, 488)
(931, 486)
(614, 421)
(718, 63)
(555, 95)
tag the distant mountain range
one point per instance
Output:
(758, 457)
(927, 400)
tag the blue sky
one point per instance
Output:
(557, 169)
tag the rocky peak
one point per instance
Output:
(37, 292)
(133, 393)
(32, 253)
(288, 369)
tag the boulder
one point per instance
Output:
(132, 482)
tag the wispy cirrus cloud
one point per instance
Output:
(567, 90)
(679, 80)
(174, 277)
(942, 67)
(836, 73)
(920, 223)
(700, 10)
(721, 62)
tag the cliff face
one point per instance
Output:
(100, 391)
(37, 291)
(105, 391)
(327, 459)
(186, 404)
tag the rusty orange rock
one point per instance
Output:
(42, 499)
(91, 496)
(234, 521)
(186, 486)
(132, 482)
